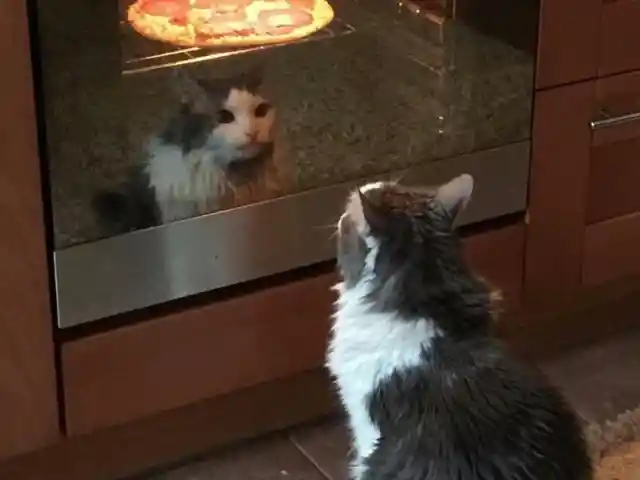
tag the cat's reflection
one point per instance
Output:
(215, 152)
(220, 125)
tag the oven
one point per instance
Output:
(409, 90)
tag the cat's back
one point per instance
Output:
(472, 412)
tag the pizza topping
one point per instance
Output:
(242, 28)
(218, 25)
(303, 4)
(222, 6)
(238, 16)
(166, 8)
(215, 29)
(180, 20)
(282, 21)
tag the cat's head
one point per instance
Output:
(399, 247)
(241, 119)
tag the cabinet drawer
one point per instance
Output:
(619, 37)
(615, 148)
(611, 250)
(181, 358)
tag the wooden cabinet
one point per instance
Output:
(28, 402)
(584, 196)
(613, 181)
(612, 216)
(584, 217)
(584, 39)
(568, 37)
(557, 190)
(611, 250)
(195, 354)
(619, 37)
(614, 161)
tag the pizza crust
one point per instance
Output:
(164, 30)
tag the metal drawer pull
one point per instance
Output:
(607, 121)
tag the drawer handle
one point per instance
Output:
(606, 120)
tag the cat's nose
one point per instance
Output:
(252, 136)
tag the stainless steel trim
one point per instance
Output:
(140, 269)
(607, 121)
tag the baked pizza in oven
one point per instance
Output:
(211, 23)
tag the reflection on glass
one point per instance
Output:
(214, 151)
(143, 132)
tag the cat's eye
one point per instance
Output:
(225, 116)
(262, 109)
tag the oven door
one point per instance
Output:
(179, 166)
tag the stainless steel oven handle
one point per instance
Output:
(607, 121)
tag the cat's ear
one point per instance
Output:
(372, 217)
(190, 89)
(360, 210)
(252, 78)
(454, 195)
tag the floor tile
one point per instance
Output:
(268, 459)
(602, 380)
(327, 444)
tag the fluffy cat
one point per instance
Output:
(430, 393)
(218, 142)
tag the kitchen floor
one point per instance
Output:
(602, 381)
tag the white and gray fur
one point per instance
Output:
(429, 392)
(218, 141)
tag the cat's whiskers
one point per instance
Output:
(397, 179)
(333, 226)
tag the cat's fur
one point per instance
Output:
(219, 141)
(430, 393)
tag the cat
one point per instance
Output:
(219, 141)
(429, 392)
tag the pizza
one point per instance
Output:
(228, 23)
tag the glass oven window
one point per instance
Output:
(148, 124)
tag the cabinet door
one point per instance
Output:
(584, 204)
(619, 37)
(615, 149)
(557, 191)
(567, 41)
(28, 413)
(612, 219)
(583, 39)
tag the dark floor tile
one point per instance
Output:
(268, 459)
(602, 380)
(327, 444)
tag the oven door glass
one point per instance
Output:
(195, 144)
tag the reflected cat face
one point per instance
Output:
(245, 122)
(239, 120)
